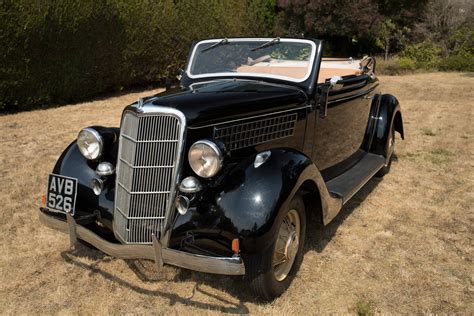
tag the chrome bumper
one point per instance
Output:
(161, 255)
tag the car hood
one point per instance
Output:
(217, 101)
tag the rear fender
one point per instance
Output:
(389, 115)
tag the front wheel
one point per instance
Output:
(271, 271)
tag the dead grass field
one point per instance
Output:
(402, 245)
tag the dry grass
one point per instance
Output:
(403, 244)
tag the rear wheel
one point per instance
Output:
(389, 154)
(271, 272)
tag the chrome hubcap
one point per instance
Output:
(390, 147)
(287, 245)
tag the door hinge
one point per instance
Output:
(323, 101)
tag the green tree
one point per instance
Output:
(261, 17)
(389, 33)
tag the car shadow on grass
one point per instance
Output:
(74, 256)
(317, 238)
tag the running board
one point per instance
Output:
(347, 184)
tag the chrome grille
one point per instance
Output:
(148, 159)
(256, 131)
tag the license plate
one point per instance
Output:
(62, 193)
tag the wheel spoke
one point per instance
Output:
(279, 262)
(282, 238)
(288, 223)
(286, 247)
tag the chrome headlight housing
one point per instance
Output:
(90, 143)
(205, 158)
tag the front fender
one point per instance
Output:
(73, 164)
(248, 201)
(389, 115)
(255, 196)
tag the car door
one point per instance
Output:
(339, 134)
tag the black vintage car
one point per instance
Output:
(221, 174)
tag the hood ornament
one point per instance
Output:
(140, 104)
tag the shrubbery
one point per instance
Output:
(60, 51)
(425, 55)
(457, 63)
(428, 56)
(405, 65)
(456, 54)
(395, 66)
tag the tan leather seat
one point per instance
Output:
(329, 68)
(327, 73)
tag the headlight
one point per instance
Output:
(90, 143)
(205, 158)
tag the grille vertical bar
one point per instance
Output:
(148, 160)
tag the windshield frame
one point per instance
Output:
(310, 68)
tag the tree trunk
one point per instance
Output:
(387, 48)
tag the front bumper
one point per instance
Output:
(161, 255)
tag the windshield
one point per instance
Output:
(286, 59)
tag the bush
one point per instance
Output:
(395, 66)
(463, 42)
(458, 63)
(406, 64)
(60, 51)
(462, 53)
(426, 55)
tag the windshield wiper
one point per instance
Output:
(222, 42)
(274, 41)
